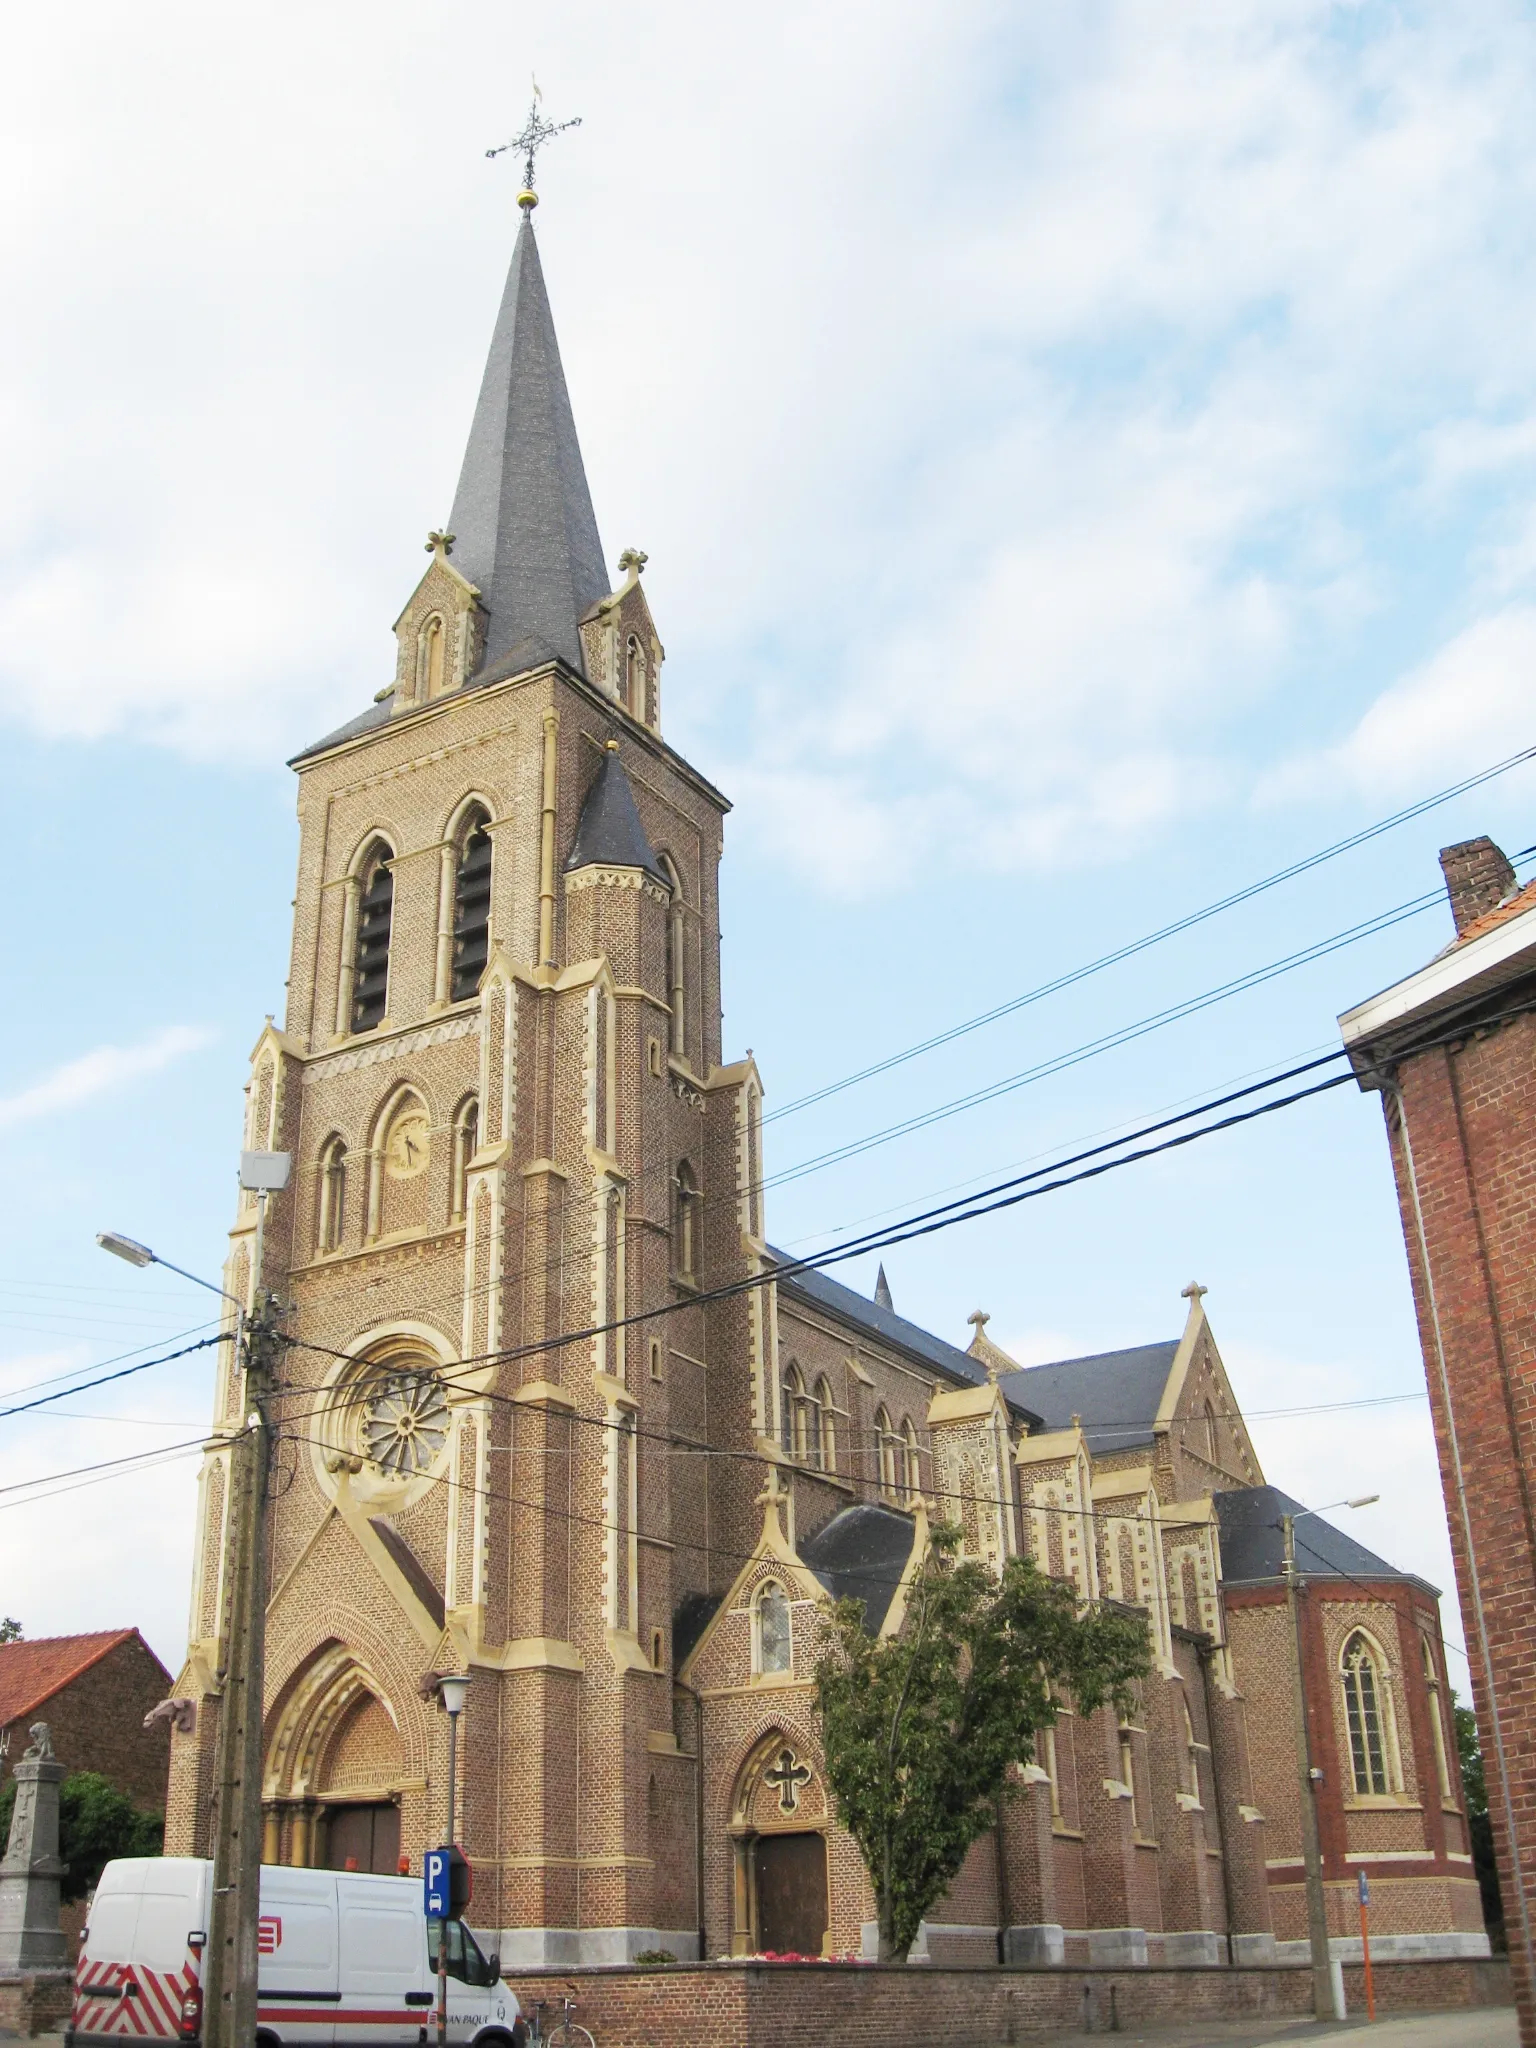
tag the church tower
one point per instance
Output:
(500, 1080)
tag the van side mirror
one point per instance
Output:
(493, 1965)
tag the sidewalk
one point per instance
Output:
(1488, 2027)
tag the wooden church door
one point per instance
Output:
(791, 1893)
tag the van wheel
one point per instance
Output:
(266, 2040)
(497, 2039)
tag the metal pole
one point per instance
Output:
(1365, 1947)
(442, 1925)
(1317, 1905)
(230, 1975)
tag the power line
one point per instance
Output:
(1167, 931)
(1111, 1040)
(65, 1393)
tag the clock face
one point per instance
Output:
(407, 1148)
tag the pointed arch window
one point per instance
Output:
(466, 1142)
(676, 976)
(330, 1220)
(912, 1461)
(375, 917)
(634, 677)
(471, 907)
(791, 1398)
(685, 1224)
(889, 1450)
(824, 1420)
(1366, 1711)
(1209, 1419)
(771, 1628)
(429, 674)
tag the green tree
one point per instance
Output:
(920, 1729)
(1475, 1784)
(10, 1629)
(96, 1823)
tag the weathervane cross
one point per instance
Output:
(535, 132)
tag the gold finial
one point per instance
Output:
(613, 746)
(527, 199)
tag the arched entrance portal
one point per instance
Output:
(778, 1833)
(334, 1763)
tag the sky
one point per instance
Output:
(1085, 458)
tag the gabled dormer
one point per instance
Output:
(440, 634)
(623, 650)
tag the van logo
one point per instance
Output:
(269, 1934)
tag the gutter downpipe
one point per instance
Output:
(1474, 1581)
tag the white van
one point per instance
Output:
(345, 1959)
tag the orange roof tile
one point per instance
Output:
(1501, 913)
(31, 1673)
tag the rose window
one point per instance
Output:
(404, 1423)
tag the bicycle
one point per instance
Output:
(563, 2034)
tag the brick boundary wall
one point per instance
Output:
(37, 2004)
(870, 2005)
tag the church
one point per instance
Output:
(553, 1412)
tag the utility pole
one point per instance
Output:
(230, 1958)
(1311, 1851)
(230, 1962)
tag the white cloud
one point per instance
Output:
(1011, 404)
(1470, 704)
(99, 1072)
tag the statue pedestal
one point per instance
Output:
(31, 1939)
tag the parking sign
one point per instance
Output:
(436, 1866)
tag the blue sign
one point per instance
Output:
(436, 1869)
(1365, 1890)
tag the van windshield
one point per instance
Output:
(465, 1960)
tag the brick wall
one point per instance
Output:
(763, 2006)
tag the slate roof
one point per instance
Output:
(32, 1672)
(609, 833)
(1116, 1393)
(1252, 1545)
(525, 533)
(840, 1301)
(861, 1555)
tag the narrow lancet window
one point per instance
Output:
(472, 910)
(1363, 1716)
(466, 1142)
(331, 1220)
(370, 983)
(773, 1629)
(685, 1233)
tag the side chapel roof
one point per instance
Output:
(1252, 1544)
(1116, 1394)
(861, 1554)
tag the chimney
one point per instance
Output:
(1477, 876)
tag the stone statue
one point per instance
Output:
(31, 1938)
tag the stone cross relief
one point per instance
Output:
(789, 1775)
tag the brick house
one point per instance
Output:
(93, 1691)
(1452, 1051)
(560, 1416)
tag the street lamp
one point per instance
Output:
(452, 1690)
(230, 1957)
(1311, 1776)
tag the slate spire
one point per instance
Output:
(609, 833)
(522, 519)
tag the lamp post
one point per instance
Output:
(453, 1690)
(1311, 1775)
(230, 1963)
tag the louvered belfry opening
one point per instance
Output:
(472, 913)
(370, 985)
